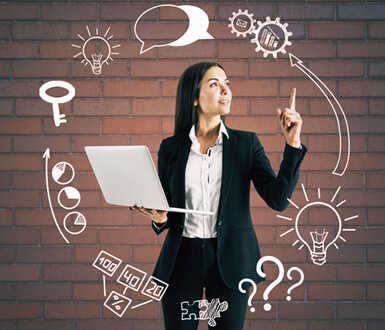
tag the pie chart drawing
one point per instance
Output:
(77, 221)
(71, 196)
(61, 171)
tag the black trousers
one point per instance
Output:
(197, 268)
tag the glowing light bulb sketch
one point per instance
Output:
(96, 50)
(316, 238)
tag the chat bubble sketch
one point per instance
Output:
(57, 116)
(197, 29)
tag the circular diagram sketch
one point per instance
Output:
(74, 223)
(63, 173)
(71, 196)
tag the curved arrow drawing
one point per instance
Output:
(294, 61)
(47, 156)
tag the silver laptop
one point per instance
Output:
(127, 176)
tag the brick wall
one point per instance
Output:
(49, 284)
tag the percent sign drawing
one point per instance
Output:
(117, 303)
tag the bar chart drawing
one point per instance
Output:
(271, 37)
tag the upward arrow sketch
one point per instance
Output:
(343, 128)
(48, 156)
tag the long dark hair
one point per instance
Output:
(188, 90)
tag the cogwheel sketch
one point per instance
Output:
(242, 23)
(271, 37)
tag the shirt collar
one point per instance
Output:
(195, 144)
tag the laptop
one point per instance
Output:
(127, 176)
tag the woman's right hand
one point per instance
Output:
(155, 215)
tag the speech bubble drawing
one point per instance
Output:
(197, 28)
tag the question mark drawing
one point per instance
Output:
(252, 309)
(288, 298)
(267, 306)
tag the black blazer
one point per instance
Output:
(244, 160)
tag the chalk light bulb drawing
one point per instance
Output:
(316, 244)
(316, 241)
(96, 58)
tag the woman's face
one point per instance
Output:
(215, 94)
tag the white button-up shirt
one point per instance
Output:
(203, 178)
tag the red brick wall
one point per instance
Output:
(49, 284)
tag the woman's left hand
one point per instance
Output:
(291, 123)
(157, 216)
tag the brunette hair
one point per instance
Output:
(188, 90)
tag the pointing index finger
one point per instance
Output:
(292, 99)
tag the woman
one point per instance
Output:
(208, 166)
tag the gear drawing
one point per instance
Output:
(269, 42)
(242, 23)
